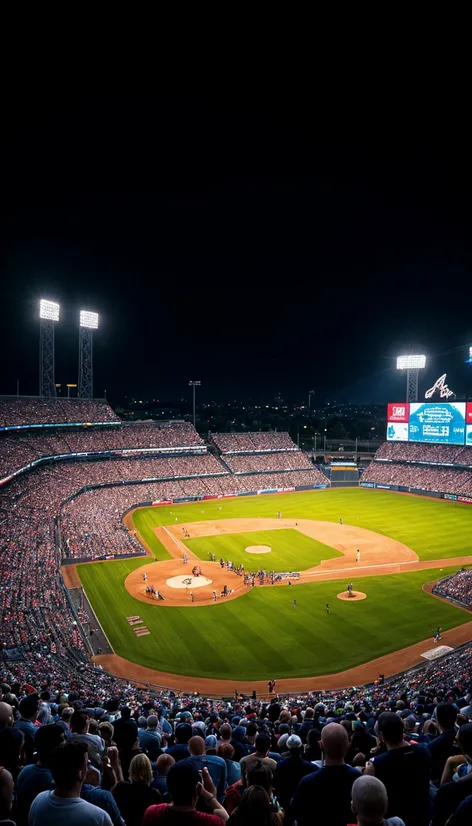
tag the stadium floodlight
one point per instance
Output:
(412, 365)
(48, 314)
(88, 319)
(194, 384)
(411, 362)
(48, 310)
(88, 323)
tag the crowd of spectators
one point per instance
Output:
(399, 749)
(247, 442)
(438, 454)
(457, 587)
(421, 477)
(265, 462)
(16, 411)
(19, 449)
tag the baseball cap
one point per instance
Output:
(210, 741)
(294, 742)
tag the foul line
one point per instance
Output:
(100, 624)
(182, 548)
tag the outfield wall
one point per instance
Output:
(434, 494)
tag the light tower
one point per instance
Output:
(412, 365)
(194, 384)
(48, 314)
(88, 323)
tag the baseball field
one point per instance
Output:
(388, 545)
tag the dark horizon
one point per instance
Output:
(238, 245)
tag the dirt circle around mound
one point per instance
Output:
(258, 549)
(188, 581)
(356, 596)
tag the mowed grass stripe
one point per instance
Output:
(145, 523)
(290, 550)
(261, 634)
(434, 529)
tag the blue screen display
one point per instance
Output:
(442, 423)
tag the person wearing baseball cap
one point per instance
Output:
(290, 771)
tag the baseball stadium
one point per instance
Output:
(213, 566)
(192, 625)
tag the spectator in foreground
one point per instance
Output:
(164, 764)
(149, 737)
(233, 769)
(325, 795)
(79, 725)
(216, 765)
(135, 796)
(185, 788)
(179, 751)
(28, 709)
(255, 809)
(369, 803)
(6, 715)
(37, 777)
(64, 806)
(463, 815)
(262, 746)
(402, 768)
(6, 797)
(443, 746)
(289, 772)
(455, 787)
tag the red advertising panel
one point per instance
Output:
(398, 412)
(468, 413)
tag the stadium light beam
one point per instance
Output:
(48, 315)
(88, 322)
(412, 365)
(48, 310)
(194, 384)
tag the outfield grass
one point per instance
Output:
(291, 550)
(261, 634)
(434, 529)
(144, 522)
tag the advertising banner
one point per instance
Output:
(466, 499)
(398, 412)
(468, 434)
(442, 423)
(397, 432)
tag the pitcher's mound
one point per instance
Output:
(356, 596)
(188, 581)
(258, 549)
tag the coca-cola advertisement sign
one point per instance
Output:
(398, 412)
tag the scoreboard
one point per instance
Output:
(443, 423)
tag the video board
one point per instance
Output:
(448, 423)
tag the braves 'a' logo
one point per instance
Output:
(440, 384)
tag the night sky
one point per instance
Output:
(252, 243)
